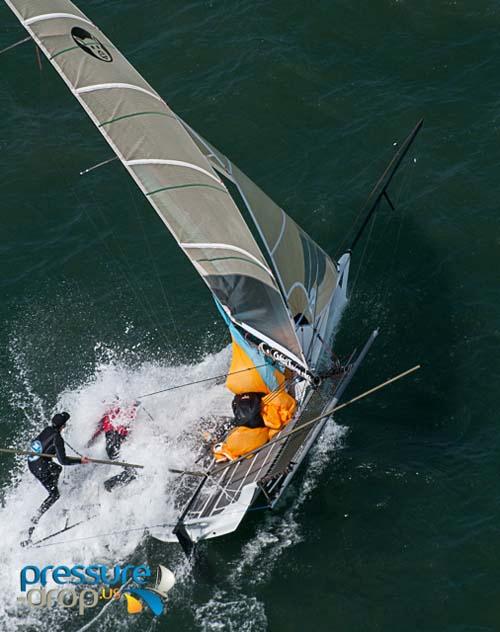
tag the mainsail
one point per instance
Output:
(181, 177)
(306, 274)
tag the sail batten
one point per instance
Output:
(53, 16)
(176, 163)
(119, 86)
(177, 179)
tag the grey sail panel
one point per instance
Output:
(176, 177)
(306, 274)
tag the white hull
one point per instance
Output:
(223, 517)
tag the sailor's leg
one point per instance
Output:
(49, 478)
(113, 444)
(120, 480)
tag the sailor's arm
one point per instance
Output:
(61, 453)
(96, 433)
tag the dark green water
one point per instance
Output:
(399, 529)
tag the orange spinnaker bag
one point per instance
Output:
(241, 441)
(278, 406)
(243, 377)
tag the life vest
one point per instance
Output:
(109, 421)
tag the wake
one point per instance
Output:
(164, 435)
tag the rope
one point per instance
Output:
(104, 535)
(153, 262)
(114, 600)
(364, 253)
(206, 379)
(143, 301)
(71, 447)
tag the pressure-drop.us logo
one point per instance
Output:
(84, 587)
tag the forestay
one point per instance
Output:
(176, 177)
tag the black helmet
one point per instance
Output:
(59, 420)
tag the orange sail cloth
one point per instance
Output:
(240, 441)
(243, 377)
(277, 407)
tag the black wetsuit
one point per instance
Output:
(47, 471)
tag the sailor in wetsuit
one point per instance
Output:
(46, 470)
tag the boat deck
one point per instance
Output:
(265, 471)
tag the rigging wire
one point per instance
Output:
(104, 535)
(406, 183)
(367, 241)
(353, 223)
(205, 379)
(143, 301)
(26, 39)
(388, 268)
(153, 261)
(407, 174)
(145, 528)
(103, 610)
(110, 260)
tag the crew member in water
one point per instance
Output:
(45, 469)
(116, 427)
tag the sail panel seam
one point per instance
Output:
(187, 186)
(126, 116)
(77, 93)
(65, 50)
(225, 258)
(227, 247)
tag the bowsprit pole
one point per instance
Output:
(72, 458)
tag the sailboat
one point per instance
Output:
(280, 294)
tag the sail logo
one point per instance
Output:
(90, 44)
(151, 598)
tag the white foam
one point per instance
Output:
(167, 440)
(160, 439)
(282, 529)
(224, 613)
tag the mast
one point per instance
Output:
(379, 191)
